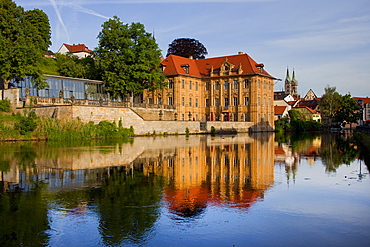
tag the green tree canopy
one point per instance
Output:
(348, 111)
(72, 66)
(129, 58)
(24, 38)
(329, 104)
(186, 47)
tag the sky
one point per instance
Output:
(326, 42)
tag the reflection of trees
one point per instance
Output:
(129, 205)
(336, 151)
(23, 219)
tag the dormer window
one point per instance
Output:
(163, 67)
(186, 68)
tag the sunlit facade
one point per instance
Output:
(230, 88)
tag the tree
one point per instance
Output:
(72, 66)
(329, 104)
(186, 47)
(129, 58)
(348, 111)
(24, 38)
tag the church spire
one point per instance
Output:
(294, 79)
(287, 78)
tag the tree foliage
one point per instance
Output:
(129, 58)
(329, 104)
(24, 38)
(337, 108)
(186, 47)
(348, 111)
(72, 66)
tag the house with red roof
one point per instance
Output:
(79, 50)
(364, 104)
(281, 111)
(309, 113)
(229, 88)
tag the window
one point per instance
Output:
(235, 117)
(182, 84)
(259, 101)
(186, 68)
(246, 117)
(217, 102)
(246, 101)
(183, 117)
(190, 102)
(183, 101)
(235, 101)
(170, 84)
(217, 86)
(196, 85)
(207, 86)
(207, 102)
(159, 101)
(196, 102)
(190, 85)
(170, 100)
(264, 101)
(235, 84)
(259, 83)
(226, 102)
(246, 83)
(226, 85)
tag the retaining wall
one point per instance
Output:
(130, 118)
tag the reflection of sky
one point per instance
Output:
(319, 209)
(71, 228)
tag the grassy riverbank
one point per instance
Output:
(30, 127)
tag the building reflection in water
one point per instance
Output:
(198, 171)
(232, 171)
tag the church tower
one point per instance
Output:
(291, 85)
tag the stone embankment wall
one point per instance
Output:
(131, 118)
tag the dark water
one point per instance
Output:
(244, 190)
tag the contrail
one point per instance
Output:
(59, 17)
(87, 11)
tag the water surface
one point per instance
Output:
(243, 190)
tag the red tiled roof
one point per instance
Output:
(77, 48)
(175, 65)
(202, 67)
(365, 100)
(279, 110)
(309, 109)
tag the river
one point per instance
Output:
(242, 190)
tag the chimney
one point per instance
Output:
(191, 57)
(240, 53)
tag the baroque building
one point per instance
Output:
(229, 88)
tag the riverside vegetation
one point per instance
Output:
(30, 127)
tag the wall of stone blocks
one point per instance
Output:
(239, 126)
(12, 95)
(153, 113)
(130, 118)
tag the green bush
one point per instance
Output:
(26, 124)
(5, 105)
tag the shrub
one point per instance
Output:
(26, 124)
(5, 105)
(187, 131)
